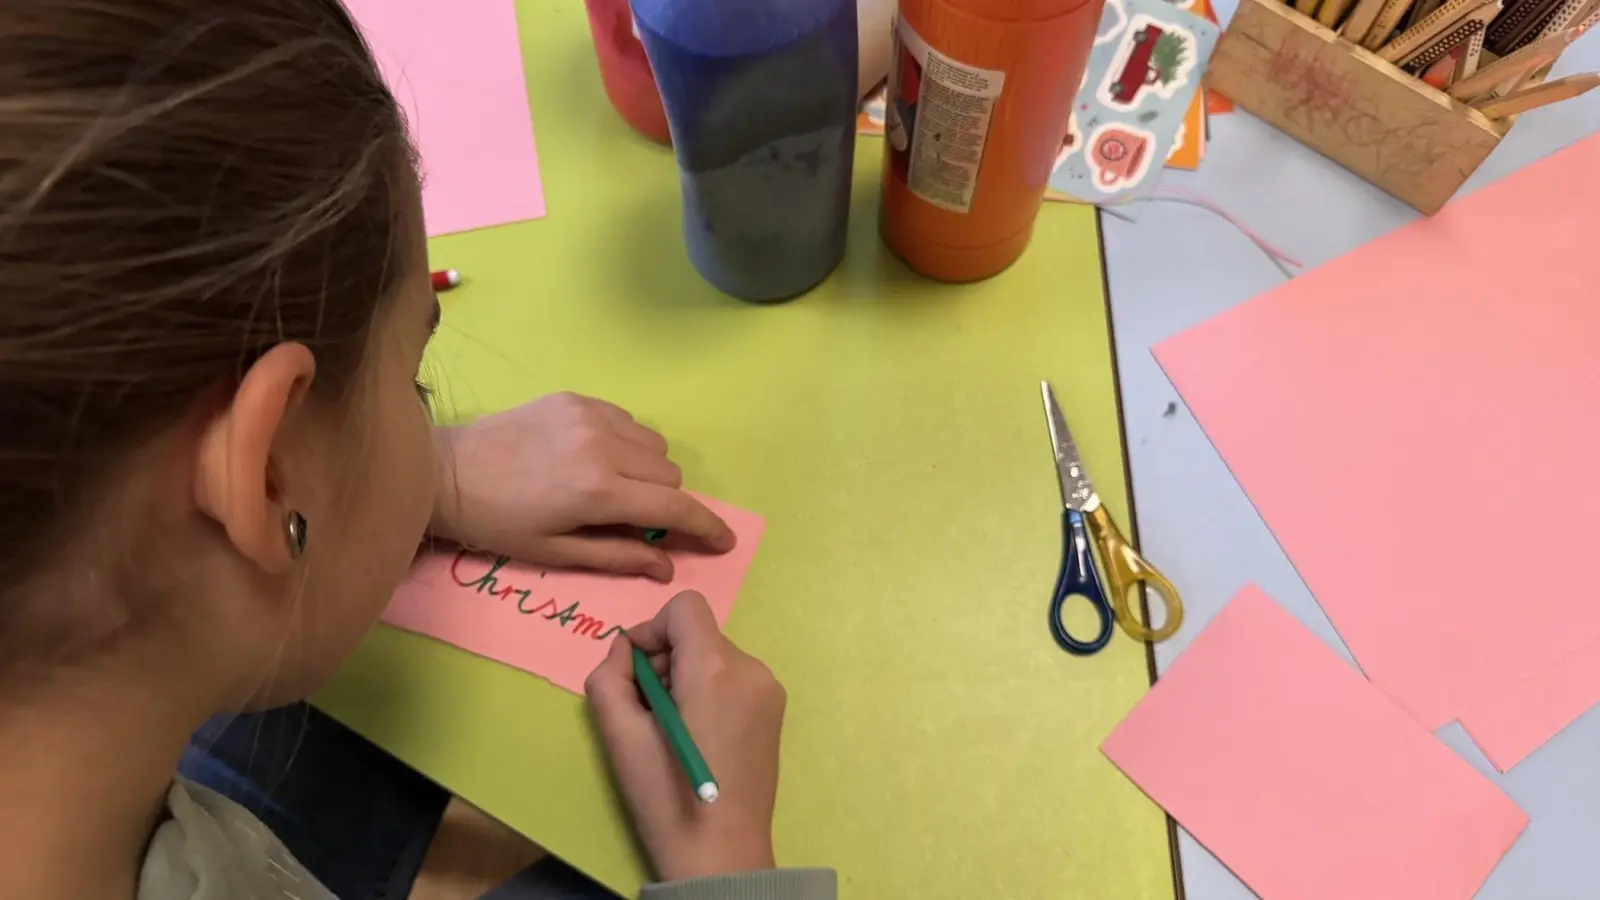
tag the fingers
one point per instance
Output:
(627, 728)
(642, 436)
(646, 465)
(650, 505)
(605, 553)
(685, 625)
(611, 688)
(622, 422)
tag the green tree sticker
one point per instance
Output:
(1167, 56)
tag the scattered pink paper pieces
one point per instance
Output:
(559, 624)
(1515, 722)
(456, 69)
(1303, 778)
(1415, 422)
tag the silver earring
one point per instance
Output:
(294, 527)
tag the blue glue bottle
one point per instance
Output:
(760, 98)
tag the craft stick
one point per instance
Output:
(1512, 11)
(1331, 11)
(1420, 10)
(1529, 79)
(1539, 95)
(1511, 21)
(1565, 16)
(1391, 14)
(1514, 66)
(1537, 76)
(1361, 19)
(1307, 7)
(1467, 60)
(1435, 51)
(1584, 15)
(1530, 29)
(1424, 33)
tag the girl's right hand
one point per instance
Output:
(733, 707)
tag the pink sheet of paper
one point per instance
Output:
(1515, 722)
(559, 624)
(1302, 777)
(1415, 421)
(456, 69)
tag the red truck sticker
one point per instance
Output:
(1155, 57)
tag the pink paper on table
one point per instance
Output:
(1302, 777)
(1513, 723)
(1415, 422)
(559, 624)
(456, 69)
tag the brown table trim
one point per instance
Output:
(1133, 515)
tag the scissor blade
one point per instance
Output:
(1076, 488)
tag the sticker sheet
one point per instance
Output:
(1190, 147)
(1144, 73)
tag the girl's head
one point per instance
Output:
(213, 304)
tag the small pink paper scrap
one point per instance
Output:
(1515, 722)
(1304, 779)
(558, 624)
(456, 69)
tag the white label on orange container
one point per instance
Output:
(937, 120)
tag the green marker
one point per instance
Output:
(660, 702)
(655, 535)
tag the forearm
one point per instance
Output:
(445, 492)
(775, 884)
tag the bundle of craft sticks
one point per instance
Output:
(1491, 54)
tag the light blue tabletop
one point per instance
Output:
(1177, 265)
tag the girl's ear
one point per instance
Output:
(236, 480)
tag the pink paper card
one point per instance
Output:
(1515, 722)
(1303, 778)
(559, 624)
(456, 69)
(1415, 421)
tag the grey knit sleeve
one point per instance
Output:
(777, 884)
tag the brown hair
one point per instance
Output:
(182, 185)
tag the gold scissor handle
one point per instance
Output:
(1126, 571)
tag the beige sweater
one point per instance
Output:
(213, 849)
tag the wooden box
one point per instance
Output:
(1344, 102)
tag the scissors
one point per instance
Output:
(1085, 518)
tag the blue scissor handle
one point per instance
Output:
(1078, 578)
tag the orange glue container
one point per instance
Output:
(624, 70)
(979, 96)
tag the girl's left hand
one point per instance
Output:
(547, 482)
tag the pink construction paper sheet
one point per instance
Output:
(456, 68)
(1302, 777)
(559, 624)
(1515, 722)
(1416, 422)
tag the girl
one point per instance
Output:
(215, 467)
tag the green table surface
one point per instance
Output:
(938, 744)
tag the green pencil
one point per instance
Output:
(660, 703)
